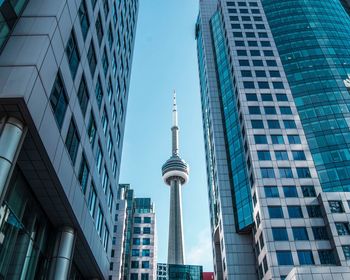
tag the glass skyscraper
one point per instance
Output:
(64, 77)
(274, 83)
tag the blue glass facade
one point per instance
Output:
(241, 186)
(312, 37)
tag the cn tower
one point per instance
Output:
(175, 174)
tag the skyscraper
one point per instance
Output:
(275, 99)
(175, 174)
(64, 77)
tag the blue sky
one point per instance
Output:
(165, 59)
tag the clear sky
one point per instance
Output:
(165, 59)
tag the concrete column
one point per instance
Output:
(63, 254)
(11, 135)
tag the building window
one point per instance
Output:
(72, 53)
(270, 110)
(280, 234)
(118, 135)
(109, 144)
(137, 220)
(92, 129)
(110, 199)
(99, 157)
(105, 63)
(260, 139)
(271, 191)
(320, 233)
(114, 166)
(146, 241)
(105, 7)
(275, 212)
(83, 95)
(266, 97)
(281, 155)
(146, 230)
(92, 200)
(346, 251)
(135, 264)
(136, 241)
(264, 155)
(59, 100)
(147, 220)
(342, 228)
(303, 172)
(105, 238)
(298, 155)
(137, 230)
(284, 258)
(105, 179)
(285, 172)
(326, 257)
(314, 211)
(99, 28)
(99, 92)
(83, 173)
(267, 172)
(257, 124)
(135, 253)
(144, 276)
(290, 191)
(305, 257)
(308, 191)
(254, 110)
(336, 206)
(72, 141)
(110, 36)
(146, 253)
(273, 124)
(145, 264)
(83, 18)
(295, 212)
(289, 124)
(277, 139)
(99, 220)
(91, 56)
(300, 233)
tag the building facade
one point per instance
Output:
(275, 102)
(184, 272)
(64, 78)
(162, 269)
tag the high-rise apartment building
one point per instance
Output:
(64, 77)
(274, 80)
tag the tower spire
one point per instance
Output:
(175, 129)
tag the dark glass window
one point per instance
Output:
(267, 172)
(266, 97)
(246, 73)
(274, 74)
(99, 92)
(252, 97)
(280, 234)
(92, 200)
(241, 52)
(146, 252)
(289, 124)
(93, 3)
(256, 53)
(146, 241)
(146, 230)
(298, 155)
(263, 85)
(137, 230)
(281, 155)
(145, 264)
(305, 257)
(72, 53)
(264, 155)
(275, 212)
(83, 95)
(135, 264)
(260, 73)
(260, 139)
(314, 211)
(342, 228)
(254, 110)
(137, 220)
(258, 62)
(243, 62)
(136, 241)
(271, 63)
(336, 206)
(147, 220)
(144, 276)
(99, 28)
(308, 191)
(294, 211)
(300, 233)
(286, 110)
(105, 7)
(252, 43)
(59, 100)
(258, 124)
(290, 191)
(303, 172)
(72, 141)
(285, 172)
(271, 191)
(83, 173)
(281, 97)
(91, 56)
(270, 110)
(294, 139)
(284, 258)
(326, 257)
(92, 129)
(83, 18)
(346, 251)
(273, 124)
(105, 63)
(135, 253)
(320, 233)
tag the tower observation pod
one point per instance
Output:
(175, 174)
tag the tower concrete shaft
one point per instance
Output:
(175, 174)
